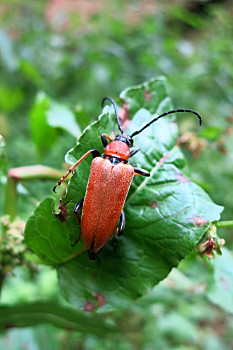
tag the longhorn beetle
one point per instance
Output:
(109, 181)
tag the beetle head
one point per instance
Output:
(125, 138)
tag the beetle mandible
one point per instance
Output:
(108, 185)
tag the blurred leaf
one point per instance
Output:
(6, 51)
(60, 116)
(213, 276)
(31, 73)
(166, 214)
(43, 135)
(211, 132)
(26, 315)
(193, 19)
(178, 327)
(10, 98)
(220, 290)
(45, 117)
(33, 338)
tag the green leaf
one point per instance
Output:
(211, 132)
(31, 73)
(151, 95)
(43, 135)
(10, 98)
(166, 214)
(48, 236)
(220, 290)
(27, 315)
(47, 115)
(60, 116)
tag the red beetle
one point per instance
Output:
(108, 185)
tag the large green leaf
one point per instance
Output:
(166, 214)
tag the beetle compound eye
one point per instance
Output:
(129, 141)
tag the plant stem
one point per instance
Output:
(26, 173)
(2, 277)
(223, 224)
(33, 172)
(73, 255)
(10, 198)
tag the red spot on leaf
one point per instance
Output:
(198, 221)
(147, 95)
(154, 205)
(89, 306)
(100, 299)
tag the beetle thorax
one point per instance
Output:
(117, 149)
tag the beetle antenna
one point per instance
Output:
(163, 115)
(115, 108)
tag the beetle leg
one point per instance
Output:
(141, 172)
(121, 226)
(77, 209)
(132, 153)
(94, 153)
(105, 138)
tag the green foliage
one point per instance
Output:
(43, 136)
(47, 115)
(59, 116)
(211, 132)
(166, 214)
(220, 290)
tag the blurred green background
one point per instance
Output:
(61, 58)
